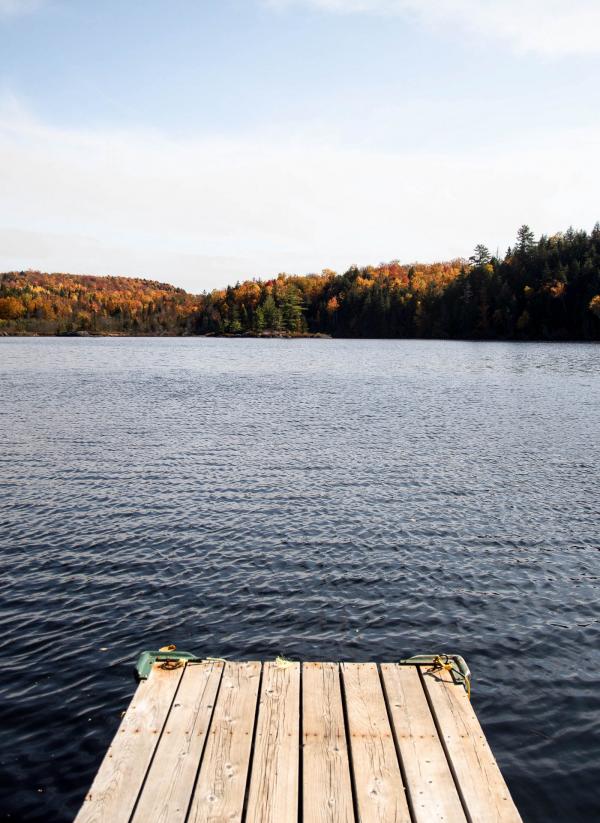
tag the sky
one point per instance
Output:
(204, 142)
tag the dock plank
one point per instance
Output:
(281, 742)
(327, 791)
(273, 795)
(220, 790)
(168, 788)
(430, 784)
(378, 782)
(480, 782)
(116, 787)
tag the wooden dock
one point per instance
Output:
(278, 742)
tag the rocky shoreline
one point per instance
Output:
(276, 335)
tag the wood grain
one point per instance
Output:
(484, 792)
(273, 796)
(377, 778)
(168, 788)
(221, 786)
(327, 791)
(429, 781)
(119, 779)
(211, 741)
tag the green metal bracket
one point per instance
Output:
(459, 666)
(147, 659)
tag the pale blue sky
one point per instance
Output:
(205, 142)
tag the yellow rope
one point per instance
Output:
(448, 665)
(169, 665)
(439, 663)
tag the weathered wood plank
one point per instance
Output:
(116, 787)
(273, 795)
(484, 792)
(327, 791)
(168, 788)
(378, 783)
(184, 749)
(430, 784)
(221, 786)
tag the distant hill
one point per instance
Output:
(32, 302)
(547, 289)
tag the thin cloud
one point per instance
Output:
(14, 8)
(207, 211)
(547, 27)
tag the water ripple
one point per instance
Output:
(324, 499)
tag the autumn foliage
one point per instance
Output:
(62, 303)
(547, 289)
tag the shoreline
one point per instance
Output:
(292, 336)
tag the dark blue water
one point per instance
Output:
(325, 499)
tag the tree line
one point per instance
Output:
(545, 289)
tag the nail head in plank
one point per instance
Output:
(484, 792)
(327, 791)
(221, 786)
(377, 778)
(273, 795)
(120, 777)
(429, 781)
(166, 793)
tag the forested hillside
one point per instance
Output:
(32, 302)
(540, 290)
(549, 289)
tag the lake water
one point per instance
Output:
(324, 499)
